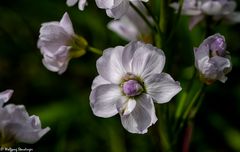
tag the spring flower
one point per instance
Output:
(115, 8)
(130, 79)
(212, 59)
(16, 125)
(81, 3)
(58, 44)
(131, 26)
(218, 9)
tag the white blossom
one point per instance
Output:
(115, 8)
(218, 9)
(131, 26)
(130, 79)
(212, 59)
(81, 3)
(56, 40)
(16, 125)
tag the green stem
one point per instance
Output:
(94, 50)
(159, 34)
(193, 101)
(143, 17)
(184, 96)
(176, 21)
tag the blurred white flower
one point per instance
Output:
(218, 9)
(16, 125)
(212, 59)
(131, 26)
(115, 8)
(56, 40)
(130, 79)
(81, 3)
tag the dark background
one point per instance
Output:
(62, 101)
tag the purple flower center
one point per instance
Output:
(218, 47)
(132, 88)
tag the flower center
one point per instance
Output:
(132, 88)
(218, 47)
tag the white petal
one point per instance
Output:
(103, 100)
(109, 66)
(58, 62)
(142, 117)
(51, 38)
(119, 10)
(124, 28)
(223, 66)
(126, 105)
(22, 127)
(71, 2)
(233, 17)
(212, 8)
(99, 81)
(161, 87)
(229, 7)
(82, 4)
(5, 96)
(66, 23)
(143, 59)
(105, 4)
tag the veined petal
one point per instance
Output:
(223, 66)
(142, 116)
(103, 100)
(52, 37)
(161, 87)
(99, 81)
(119, 10)
(66, 23)
(126, 105)
(58, 62)
(110, 66)
(124, 28)
(145, 59)
(18, 125)
(5, 96)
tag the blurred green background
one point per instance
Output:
(62, 101)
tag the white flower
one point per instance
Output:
(212, 60)
(130, 79)
(81, 3)
(131, 26)
(115, 8)
(56, 40)
(16, 125)
(218, 9)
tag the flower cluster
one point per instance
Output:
(16, 125)
(130, 77)
(218, 9)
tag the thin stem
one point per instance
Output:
(143, 17)
(189, 108)
(155, 20)
(94, 50)
(176, 21)
(184, 96)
